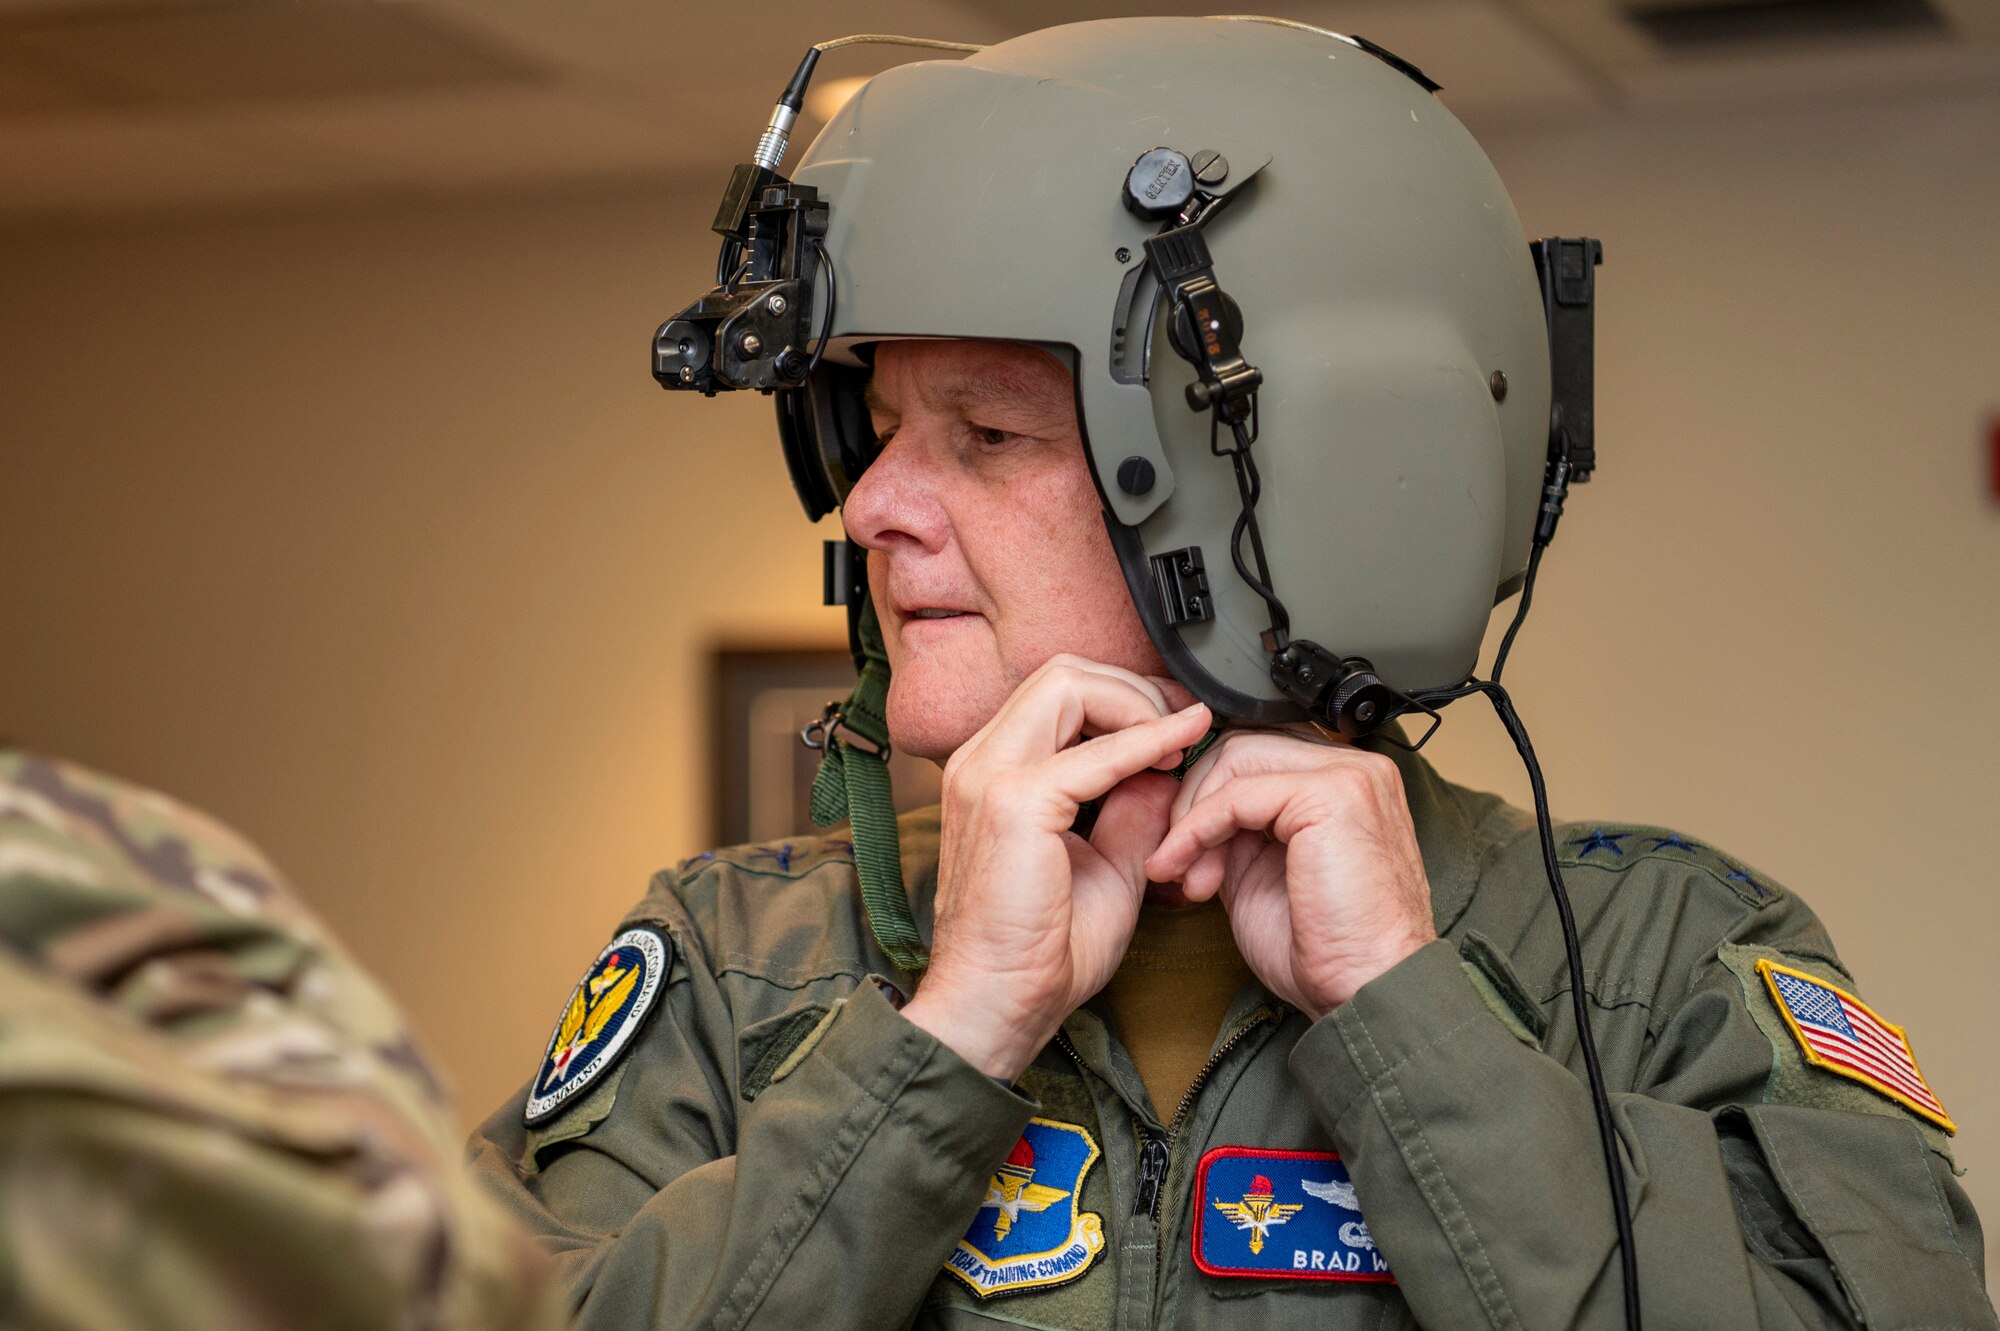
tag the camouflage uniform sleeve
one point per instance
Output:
(1764, 1193)
(209, 1115)
(813, 1169)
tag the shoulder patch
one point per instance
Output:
(1030, 1232)
(1242, 1197)
(604, 1013)
(1840, 1034)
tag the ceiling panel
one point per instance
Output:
(127, 105)
(250, 50)
(1492, 66)
(1879, 70)
(704, 69)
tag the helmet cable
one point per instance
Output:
(1521, 610)
(1600, 1098)
(891, 39)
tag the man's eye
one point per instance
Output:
(992, 436)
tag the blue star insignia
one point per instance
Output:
(1675, 842)
(1742, 875)
(1600, 840)
(782, 854)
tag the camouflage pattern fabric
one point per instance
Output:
(210, 1117)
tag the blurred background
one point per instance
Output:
(335, 496)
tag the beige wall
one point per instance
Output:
(370, 533)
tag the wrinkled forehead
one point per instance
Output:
(966, 376)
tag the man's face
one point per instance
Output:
(987, 553)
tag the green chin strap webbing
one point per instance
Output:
(853, 783)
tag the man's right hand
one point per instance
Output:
(1031, 918)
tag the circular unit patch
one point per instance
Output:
(604, 1013)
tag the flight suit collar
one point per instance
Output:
(1445, 835)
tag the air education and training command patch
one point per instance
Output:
(1281, 1215)
(605, 1012)
(1842, 1035)
(1029, 1232)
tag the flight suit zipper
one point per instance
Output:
(1156, 1153)
(1137, 1301)
(1153, 1160)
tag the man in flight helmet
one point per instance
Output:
(1193, 394)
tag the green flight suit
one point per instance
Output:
(211, 1119)
(779, 1148)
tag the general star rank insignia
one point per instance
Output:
(1029, 1233)
(1281, 1214)
(1842, 1035)
(604, 1013)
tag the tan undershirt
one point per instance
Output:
(1171, 992)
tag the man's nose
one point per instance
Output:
(896, 500)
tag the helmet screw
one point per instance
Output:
(792, 363)
(1305, 674)
(1365, 712)
(1498, 383)
(776, 304)
(1122, 254)
(1210, 167)
(751, 344)
(1135, 475)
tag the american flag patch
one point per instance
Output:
(1842, 1034)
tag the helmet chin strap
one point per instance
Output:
(853, 783)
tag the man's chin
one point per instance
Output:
(931, 717)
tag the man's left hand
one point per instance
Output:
(1311, 846)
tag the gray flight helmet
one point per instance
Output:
(1387, 293)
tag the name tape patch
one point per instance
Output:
(1030, 1232)
(1842, 1034)
(1281, 1214)
(604, 1013)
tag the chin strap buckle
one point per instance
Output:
(832, 727)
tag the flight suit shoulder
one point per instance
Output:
(1691, 896)
(1653, 905)
(766, 940)
(786, 912)
(1662, 857)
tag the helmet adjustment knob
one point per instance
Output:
(1341, 692)
(1158, 184)
(1135, 475)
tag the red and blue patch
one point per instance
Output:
(1281, 1214)
(1031, 1231)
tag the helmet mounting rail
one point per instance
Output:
(1341, 693)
